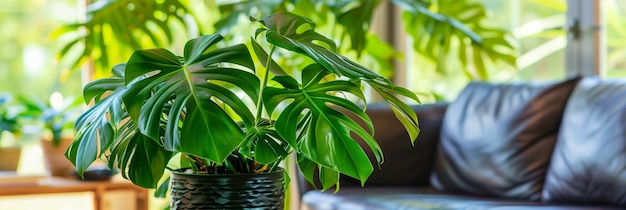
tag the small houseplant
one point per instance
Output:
(221, 114)
(9, 124)
(54, 117)
(54, 120)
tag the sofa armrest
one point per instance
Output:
(405, 165)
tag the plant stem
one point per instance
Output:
(275, 164)
(259, 110)
(243, 163)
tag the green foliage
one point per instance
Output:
(442, 30)
(454, 29)
(355, 18)
(54, 119)
(233, 11)
(98, 128)
(136, 24)
(9, 115)
(31, 112)
(200, 105)
(26, 51)
(182, 85)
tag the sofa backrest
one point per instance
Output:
(589, 160)
(497, 139)
(405, 164)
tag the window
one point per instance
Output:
(556, 39)
(614, 12)
(537, 27)
(27, 53)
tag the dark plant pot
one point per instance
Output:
(227, 191)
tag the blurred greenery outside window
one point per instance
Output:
(614, 12)
(537, 26)
(28, 67)
(28, 64)
(27, 52)
(543, 31)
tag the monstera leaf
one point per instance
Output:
(192, 87)
(140, 159)
(326, 138)
(107, 124)
(283, 30)
(96, 132)
(264, 144)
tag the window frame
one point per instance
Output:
(585, 52)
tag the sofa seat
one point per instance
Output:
(410, 198)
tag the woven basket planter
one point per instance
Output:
(227, 191)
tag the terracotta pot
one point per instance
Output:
(56, 163)
(9, 158)
(228, 191)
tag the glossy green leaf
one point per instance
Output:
(327, 140)
(329, 178)
(307, 167)
(148, 157)
(403, 112)
(283, 31)
(95, 133)
(139, 158)
(270, 149)
(263, 57)
(161, 191)
(264, 145)
(188, 86)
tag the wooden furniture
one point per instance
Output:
(106, 194)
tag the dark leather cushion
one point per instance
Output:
(589, 160)
(497, 139)
(405, 165)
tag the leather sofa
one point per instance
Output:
(554, 145)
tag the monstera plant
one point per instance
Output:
(219, 112)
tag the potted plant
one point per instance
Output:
(214, 112)
(10, 130)
(54, 120)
